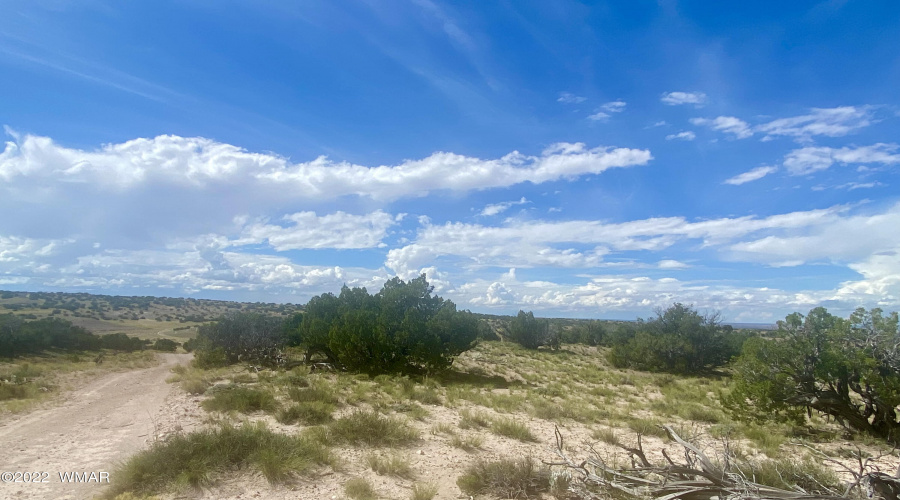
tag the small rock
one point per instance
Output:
(420, 452)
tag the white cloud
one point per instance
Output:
(570, 98)
(698, 99)
(751, 175)
(841, 238)
(580, 243)
(16, 248)
(197, 163)
(684, 136)
(729, 124)
(307, 230)
(599, 116)
(812, 159)
(671, 264)
(830, 122)
(850, 186)
(615, 106)
(497, 208)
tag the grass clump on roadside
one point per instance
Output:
(369, 428)
(505, 478)
(239, 398)
(391, 465)
(306, 413)
(196, 458)
(360, 489)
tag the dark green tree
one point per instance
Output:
(249, 337)
(402, 329)
(848, 369)
(529, 332)
(678, 340)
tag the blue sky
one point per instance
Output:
(585, 159)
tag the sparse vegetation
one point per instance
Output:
(512, 429)
(239, 398)
(506, 478)
(360, 489)
(370, 429)
(390, 465)
(423, 491)
(198, 458)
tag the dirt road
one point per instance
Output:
(92, 429)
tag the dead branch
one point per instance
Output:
(698, 478)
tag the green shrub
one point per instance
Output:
(401, 329)
(239, 398)
(391, 465)
(210, 357)
(307, 413)
(165, 345)
(788, 473)
(371, 429)
(468, 443)
(423, 491)
(504, 478)
(198, 458)
(360, 489)
(529, 332)
(311, 394)
(678, 340)
(512, 429)
(849, 371)
(248, 337)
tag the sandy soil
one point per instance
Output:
(89, 430)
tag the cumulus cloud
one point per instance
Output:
(570, 98)
(698, 99)
(751, 175)
(139, 192)
(728, 124)
(199, 163)
(687, 135)
(599, 116)
(812, 159)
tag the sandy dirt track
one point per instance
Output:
(89, 430)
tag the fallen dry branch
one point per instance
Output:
(700, 478)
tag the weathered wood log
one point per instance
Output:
(700, 478)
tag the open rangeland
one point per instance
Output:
(482, 429)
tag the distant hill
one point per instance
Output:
(147, 317)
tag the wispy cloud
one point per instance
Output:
(614, 106)
(813, 159)
(698, 99)
(687, 135)
(752, 175)
(728, 124)
(570, 98)
(497, 208)
(830, 122)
